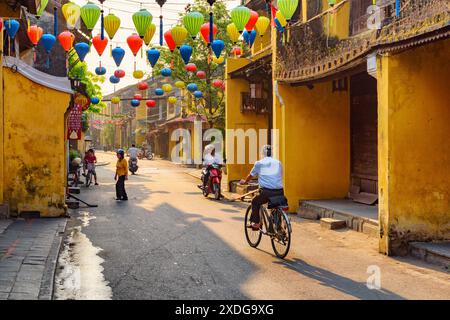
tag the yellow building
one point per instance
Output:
(362, 115)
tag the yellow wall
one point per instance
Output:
(1, 123)
(34, 145)
(338, 22)
(141, 114)
(234, 119)
(414, 140)
(315, 142)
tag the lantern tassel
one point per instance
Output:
(161, 29)
(211, 25)
(55, 21)
(102, 26)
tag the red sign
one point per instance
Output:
(74, 127)
(82, 100)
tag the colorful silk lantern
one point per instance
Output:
(150, 103)
(287, 8)
(180, 84)
(172, 100)
(249, 37)
(100, 71)
(153, 56)
(192, 87)
(204, 31)
(11, 27)
(114, 79)
(135, 43)
(252, 20)
(142, 21)
(135, 103)
(71, 12)
(191, 67)
(179, 34)
(193, 22)
(217, 47)
(261, 25)
(198, 94)
(66, 39)
(82, 50)
(186, 52)
(95, 100)
(99, 44)
(112, 24)
(119, 73)
(48, 41)
(137, 96)
(169, 40)
(166, 72)
(41, 8)
(236, 51)
(217, 83)
(219, 60)
(240, 16)
(118, 53)
(166, 87)
(278, 25)
(138, 74)
(281, 19)
(143, 85)
(34, 34)
(159, 91)
(233, 32)
(115, 100)
(149, 34)
(201, 74)
(90, 13)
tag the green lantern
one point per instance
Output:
(193, 22)
(90, 13)
(142, 21)
(240, 16)
(331, 3)
(287, 8)
(41, 8)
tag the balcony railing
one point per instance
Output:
(311, 54)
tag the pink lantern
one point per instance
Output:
(201, 74)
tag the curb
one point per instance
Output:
(101, 164)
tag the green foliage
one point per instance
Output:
(74, 154)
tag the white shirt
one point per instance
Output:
(133, 152)
(269, 173)
(209, 160)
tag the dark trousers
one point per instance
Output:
(261, 199)
(120, 188)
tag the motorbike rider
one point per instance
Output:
(269, 172)
(209, 158)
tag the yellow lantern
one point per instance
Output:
(112, 24)
(166, 87)
(233, 32)
(179, 34)
(149, 34)
(71, 12)
(172, 100)
(138, 74)
(218, 60)
(180, 84)
(281, 19)
(261, 25)
(115, 100)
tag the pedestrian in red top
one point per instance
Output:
(90, 160)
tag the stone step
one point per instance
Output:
(332, 224)
(436, 252)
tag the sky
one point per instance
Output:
(124, 9)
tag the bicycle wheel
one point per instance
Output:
(281, 241)
(253, 237)
(88, 179)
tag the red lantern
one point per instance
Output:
(169, 40)
(66, 39)
(236, 51)
(135, 43)
(99, 44)
(119, 73)
(137, 96)
(151, 103)
(218, 83)
(204, 30)
(142, 85)
(201, 74)
(252, 21)
(34, 34)
(1, 24)
(191, 67)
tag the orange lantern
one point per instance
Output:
(135, 44)
(34, 34)
(66, 39)
(169, 40)
(204, 31)
(99, 44)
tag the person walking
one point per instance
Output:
(121, 176)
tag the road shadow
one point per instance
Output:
(348, 286)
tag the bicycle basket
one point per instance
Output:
(277, 201)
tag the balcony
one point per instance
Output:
(312, 54)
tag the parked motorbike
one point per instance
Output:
(132, 165)
(214, 181)
(145, 154)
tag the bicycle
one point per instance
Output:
(276, 225)
(89, 174)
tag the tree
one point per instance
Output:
(212, 105)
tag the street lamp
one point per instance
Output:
(75, 83)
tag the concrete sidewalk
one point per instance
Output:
(29, 250)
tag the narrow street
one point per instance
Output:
(169, 242)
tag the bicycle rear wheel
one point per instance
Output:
(253, 237)
(88, 179)
(281, 241)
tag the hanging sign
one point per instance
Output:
(82, 100)
(74, 125)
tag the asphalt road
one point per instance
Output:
(169, 242)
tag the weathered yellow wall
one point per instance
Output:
(234, 119)
(414, 140)
(141, 114)
(338, 22)
(1, 123)
(34, 145)
(315, 142)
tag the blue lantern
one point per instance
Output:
(186, 52)
(48, 41)
(217, 46)
(249, 37)
(192, 87)
(114, 79)
(95, 100)
(118, 53)
(198, 94)
(100, 71)
(11, 27)
(153, 56)
(82, 49)
(279, 26)
(166, 72)
(135, 103)
(159, 92)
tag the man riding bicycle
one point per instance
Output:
(269, 172)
